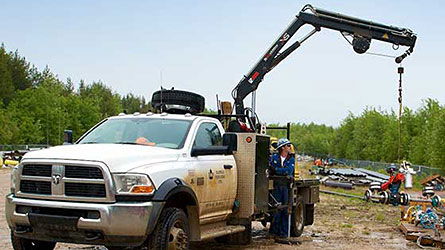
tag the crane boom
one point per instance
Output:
(361, 30)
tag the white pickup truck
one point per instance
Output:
(153, 180)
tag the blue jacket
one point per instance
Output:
(288, 165)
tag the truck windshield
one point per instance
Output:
(167, 133)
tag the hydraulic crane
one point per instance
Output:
(361, 31)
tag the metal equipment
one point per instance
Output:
(374, 189)
(361, 31)
(375, 194)
(428, 192)
(345, 185)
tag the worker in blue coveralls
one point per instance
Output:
(281, 163)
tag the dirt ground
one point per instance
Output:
(340, 223)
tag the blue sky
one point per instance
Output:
(207, 46)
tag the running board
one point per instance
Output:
(221, 231)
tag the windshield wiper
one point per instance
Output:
(127, 142)
(89, 142)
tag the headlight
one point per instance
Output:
(133, 184)
(14, 177)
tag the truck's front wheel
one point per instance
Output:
(172, 231)
(27, 244)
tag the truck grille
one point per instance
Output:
(83, 172)
(85, 190)
(35, 187)
(64, 182)
(37, 170)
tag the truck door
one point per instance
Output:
(215, 175)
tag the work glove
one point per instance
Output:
(270, 171)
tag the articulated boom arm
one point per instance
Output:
(361, 30)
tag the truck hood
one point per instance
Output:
(118, 157)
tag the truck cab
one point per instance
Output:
(112, 185)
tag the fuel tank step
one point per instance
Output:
(210, 233)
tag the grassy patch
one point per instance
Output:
(357, 191)
(366, 231)
(351, 213)
(347, 225)
(380, 216)
(416, 182)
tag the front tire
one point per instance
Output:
(172, 231)
(27, 244)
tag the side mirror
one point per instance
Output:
(212, 150)
(67, 137)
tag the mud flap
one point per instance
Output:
(309, 214)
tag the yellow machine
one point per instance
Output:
(9, 162)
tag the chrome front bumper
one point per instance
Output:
(119, 223)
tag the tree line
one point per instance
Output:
(36, 107)
(373, 135)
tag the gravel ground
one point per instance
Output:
(340, 223)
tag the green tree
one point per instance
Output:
(131, 103)
(343, 136)
(437, 146)
(390, 140)
(21, 71)
(108, 102)
(80, 114)
(6, 83)
(8, 128)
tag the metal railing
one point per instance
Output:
(13, 147)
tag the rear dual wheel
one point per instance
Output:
(297, 219)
